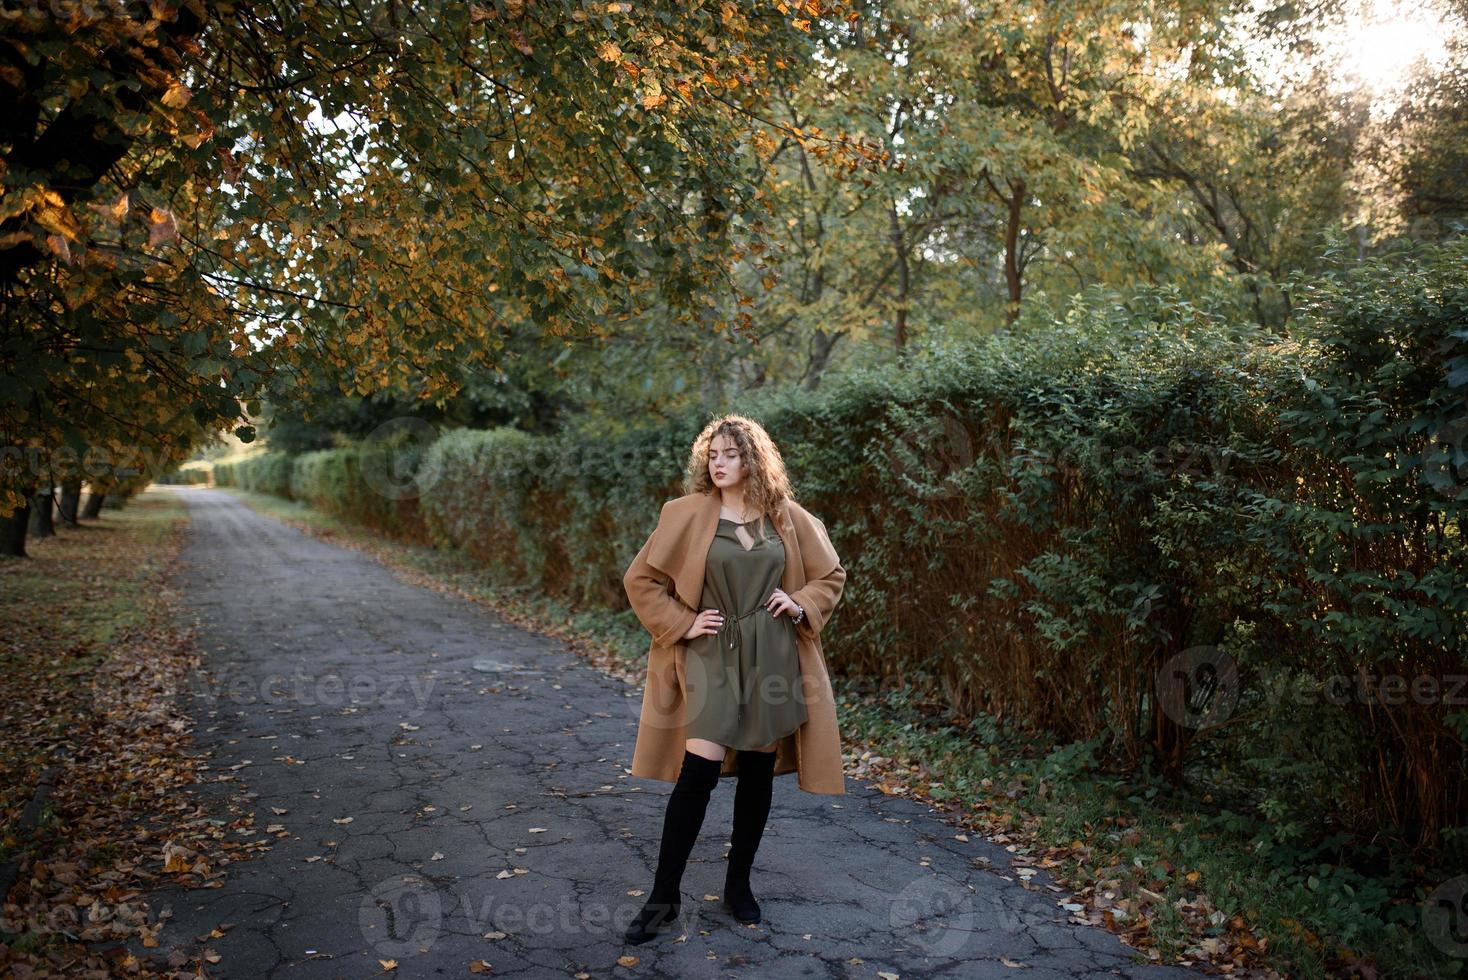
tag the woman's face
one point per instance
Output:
(726, 466)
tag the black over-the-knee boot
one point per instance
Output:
(751, 810)
(681, 822)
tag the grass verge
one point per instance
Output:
(93, 660)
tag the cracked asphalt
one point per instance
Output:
(453, 789)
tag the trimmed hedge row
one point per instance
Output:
(185, 476)
(369, 484)
(266, 473)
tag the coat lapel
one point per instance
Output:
(682, 551)
(680, 544)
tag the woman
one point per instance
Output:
(734, 585)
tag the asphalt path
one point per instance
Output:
(442, 787)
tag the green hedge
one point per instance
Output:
(1063, 529)
(267, 473)
(185, 476)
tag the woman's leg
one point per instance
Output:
(704, 748)
(681, 822)
(752, 797)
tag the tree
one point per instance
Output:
(202, 202)
(1420, 153)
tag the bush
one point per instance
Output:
(1144, 529)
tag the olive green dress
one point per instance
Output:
(742, 684)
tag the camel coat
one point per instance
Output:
(664, 584)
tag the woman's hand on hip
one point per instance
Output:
(706, 623)
(779, 602)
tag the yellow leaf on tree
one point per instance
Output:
(59, 248)
(160, 226)
(58, 219)
(176, 96)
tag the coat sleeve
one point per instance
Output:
(825, 578)
(650, 592)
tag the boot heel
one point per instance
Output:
(649, 921)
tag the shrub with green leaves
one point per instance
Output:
(1150, 528)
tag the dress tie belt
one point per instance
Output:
(734, 637)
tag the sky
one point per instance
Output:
(1380, 42)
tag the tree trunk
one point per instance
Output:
(13, 529)
(904, 276)
(820, 347)
(71, 497)
(1012, 276)
(1170, 742)
(43, 509)
(93, 509)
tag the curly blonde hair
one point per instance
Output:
(766, 483)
